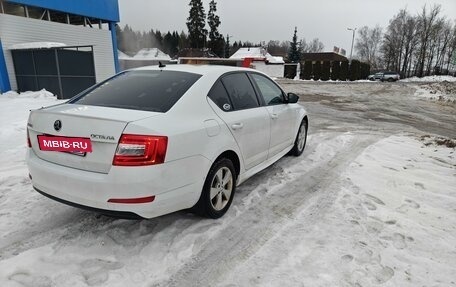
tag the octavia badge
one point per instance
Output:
(57, 125)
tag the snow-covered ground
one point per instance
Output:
(430, 79)
(370, 203)
(427, 79)
(440, 91)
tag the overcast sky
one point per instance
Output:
(263, 20)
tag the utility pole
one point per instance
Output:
(224, 46)
(353, 41)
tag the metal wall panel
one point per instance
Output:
(15, 30)
(63, 72)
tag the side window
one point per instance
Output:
(272, 94)
(219, 96)
(241, 91)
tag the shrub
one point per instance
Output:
(306, 70)
(354, 72)
(365, 70)
(290, 71)
(326, 71)
(317, 71)
(335, 70)
(343, 71)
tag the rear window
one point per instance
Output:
(155, 91)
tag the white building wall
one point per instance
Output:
(16, 30)
(274, 71)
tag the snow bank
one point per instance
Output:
(36, 45)
(428, 79)
(444, 92)
(43, 94)
(13, 120)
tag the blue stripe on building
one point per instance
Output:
(4, 79)
(107, 10)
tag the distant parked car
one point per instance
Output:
(385, 76)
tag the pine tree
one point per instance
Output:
(216, 43)
(293, 53)
(196, 23)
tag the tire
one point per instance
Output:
(218, 190)
(391, 80)
(301, 139)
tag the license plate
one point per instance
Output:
(65, 144)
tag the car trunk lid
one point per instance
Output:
(102, 125)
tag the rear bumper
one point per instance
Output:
(119, 214)
(176, 185)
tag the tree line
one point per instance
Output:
(130, 42)
(197, 36)
(413, 45)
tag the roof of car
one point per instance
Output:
(197, 69)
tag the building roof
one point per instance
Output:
(101, 9)
(122, 56)
(323, 56)
(153, 54)
(36, 45)
(257, 53)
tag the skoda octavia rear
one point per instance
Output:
(152, 141)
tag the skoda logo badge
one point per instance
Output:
(226, 107)
(57, 125)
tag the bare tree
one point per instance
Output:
(418, 45)
(427, 26)
(314, 46)
(368, 45)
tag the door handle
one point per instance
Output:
(237, 126)
(274, 116)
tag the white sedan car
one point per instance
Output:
(151, 141)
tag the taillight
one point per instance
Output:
(29, 143)
(138, 150)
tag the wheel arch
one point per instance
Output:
(234, 157)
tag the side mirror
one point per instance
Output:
(292, 98)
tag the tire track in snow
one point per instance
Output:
(70, 221)
(252, 229)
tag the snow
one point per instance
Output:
(428, 79)
(257, 53)
(358, 208)
(13, 121)
(36, 45)
(443, 92)
(154, 54)
(391, 221)
(275, 60)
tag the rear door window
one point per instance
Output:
(270, 92)
(241, 91)
(220, 97)
(155, 91)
